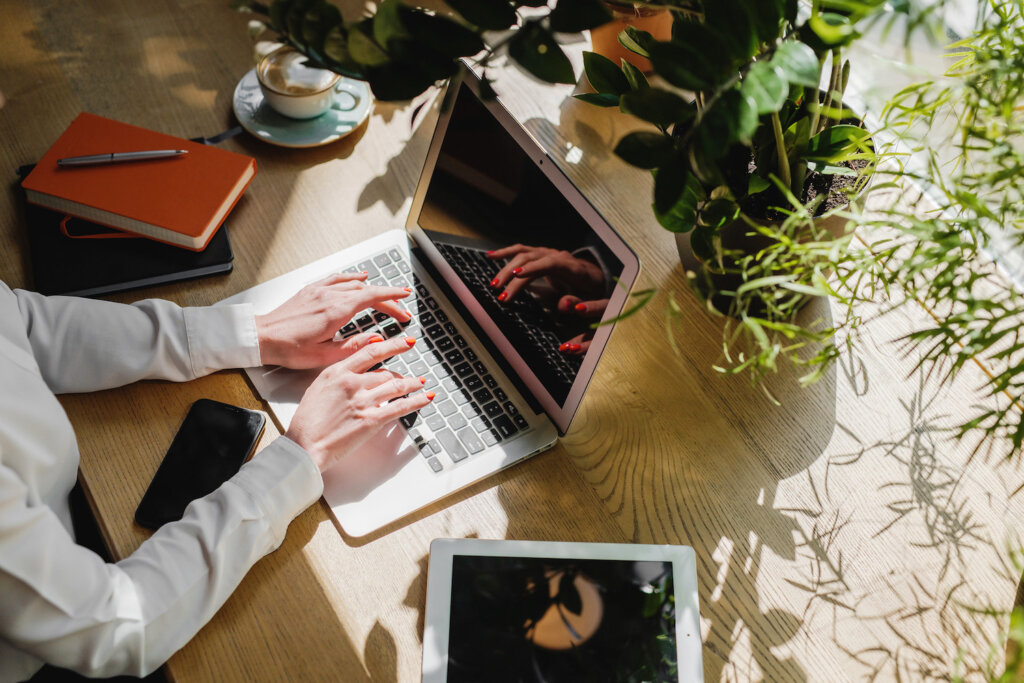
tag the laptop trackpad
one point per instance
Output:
(353, 478)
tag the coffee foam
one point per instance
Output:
(285, 72)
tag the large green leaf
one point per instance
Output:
(734, 23)
(296, 17)
(441, 34)
(695, 59)
(834, 30)
(637, 79)
(317, 22)
(387, 23)
(600, 99)
(837, 141)
(660, 107)
(570, 16)
(669, 183)
(636, 41)
(535, 49)
(646, 150)
(491, 15)
(682, 217)
(335, 46)
(678, 65)
(362, 48)
(766, 86)
(604, 75)
(798, 63)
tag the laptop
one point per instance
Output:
(509, 371)
(561, 612)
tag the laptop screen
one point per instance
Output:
(528, 255)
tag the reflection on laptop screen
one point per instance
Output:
(486, 194)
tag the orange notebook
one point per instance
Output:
(180, 201)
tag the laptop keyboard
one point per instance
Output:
(522, 314)
(471, 410)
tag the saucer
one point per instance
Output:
(352, 106)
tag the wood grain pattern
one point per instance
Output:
(839, 535)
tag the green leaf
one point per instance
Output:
(362, 48)
(636, 41)
(317, 23)
(604, 75)
(678, 65)
(669, 183)
(718, 212)
(828, 169)
(797, 63)
(570, 16)
(660, 107)
(535, 49)
(387, 22)
(703, 242)
(732, 119)
(836, 141)
(490, 15)
(441, 34)
(766, 86)
(732, 20)
(295, 18)
(682, 217)
(646, 150)
(279, 14)
(833, 29)
(335, 45)
(757, 184)
(600, 99)
(637, 79)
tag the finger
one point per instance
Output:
(537, 267)
(336, 278)
(395, 387)
(394, 309)
(371, 354)
(403, 406)
(573, 346)
(505, 274)
(513, 288)
(383, 299)
(508, 251)
(590, 309)
(567, 303)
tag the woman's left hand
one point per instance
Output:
(300, 333)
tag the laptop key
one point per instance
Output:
(480, 424)
(470, 440)
(510, 408)
(435, 422)
(446, 408)
(351, 328)
(482, 395)
(431, 303)
(460, 342)
(520, 421)
(451, 445)
(419, 368)
(450, 383)
(457, 421)
(381, 260)
(395, 255)
(427, 319)
(370, 269)
(380, 317)
(435, 464)
(480, 367)
(445, 344)
(500, 395)
(492, 409)
(409, 420)
(463, 370)
(505, 426)
(392, 330)
(470, 354)
(404, 267)
(435, 331)
(428, 410)
(473, 382)
(454, 356)
(451, 329)
(490, 381)
(390, 272)
(460, 397)
(489, 438)
(441, 316)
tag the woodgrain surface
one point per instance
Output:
(840, 535)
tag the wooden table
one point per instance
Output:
(839, 535)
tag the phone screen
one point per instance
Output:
(211, 445)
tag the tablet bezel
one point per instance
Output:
(439, 591)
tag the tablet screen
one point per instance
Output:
(561, 619)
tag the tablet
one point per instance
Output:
(557, 612)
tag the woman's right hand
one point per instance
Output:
(347, 403)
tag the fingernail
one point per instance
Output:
(410, 340)
(431, 395)
(490, 253)
(573, 347)
(375, 338)
(581, 308)
(563, 346)
(516, 271)
(408, 289)
(502, 296)
(366, 272)
(495, 282)
(423, 380)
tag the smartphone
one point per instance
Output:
(211, 445)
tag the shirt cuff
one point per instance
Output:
(222, 337)
(283, 480)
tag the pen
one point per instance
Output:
(114, 157)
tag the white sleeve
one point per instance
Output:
(88, 344)
(63, 604)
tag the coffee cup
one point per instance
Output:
(293, 88)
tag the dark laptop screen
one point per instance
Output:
(534, 264)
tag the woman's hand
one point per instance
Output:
(527, 263)
(300, 332)
(346, 405)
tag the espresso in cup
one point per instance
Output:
(292, 88)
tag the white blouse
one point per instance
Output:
(60, 602)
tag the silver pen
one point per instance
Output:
(115, 157)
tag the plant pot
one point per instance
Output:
(711, 284)
(605, 39)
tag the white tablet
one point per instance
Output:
(557, 612)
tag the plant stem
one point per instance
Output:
(833, 85)
(780, 149)
(816, 114)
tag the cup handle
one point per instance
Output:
(348, 100)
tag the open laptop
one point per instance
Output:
(509, 374)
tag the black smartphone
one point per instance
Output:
(211, 445)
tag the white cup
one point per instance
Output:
(294, 89)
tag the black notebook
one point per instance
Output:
(86, 259)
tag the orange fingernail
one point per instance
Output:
(366, 272)
(490, 253)
(431, 395)
(516, 271)
(563, 347)
(495, 282)
(375, 338)
(408, 289)
(581, 307)
(410, 340)
(502, 296)
(423, 380)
